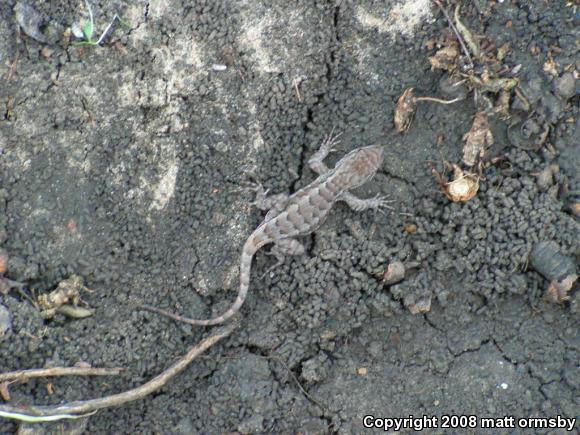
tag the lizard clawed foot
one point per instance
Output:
(381, 202)
(260, 194)
(250, 186)
(330, 141)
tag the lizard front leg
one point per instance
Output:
(316, 161)
(359, 204)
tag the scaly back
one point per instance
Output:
(358, 166)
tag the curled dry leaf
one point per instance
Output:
(502, 104)
(405, 110)
(477, 140)
(462, 188)
(503, 51)
(445, 59)
(487, 83)
(551, 67)
(67, 291)
(5, 391)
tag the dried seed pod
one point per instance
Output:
(407, 105)
(462, 188)
(405, 110)
(477, 139)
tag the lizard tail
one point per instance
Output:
(248, 252)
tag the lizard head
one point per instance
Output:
(360, 165)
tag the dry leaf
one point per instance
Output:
(4, 391)
(491, 84)
(67, 290)
(477, 140)
(551, 67)
(503, 51)
(405, 110)
(502, 104)
(445, 59)
(558, 290)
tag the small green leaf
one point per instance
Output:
(88, 30)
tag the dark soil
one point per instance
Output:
(124, 164)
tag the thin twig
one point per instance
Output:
(84, 408)
(437, 100)
(457, 34)
(59, 371)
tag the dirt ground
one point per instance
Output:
(125, 164)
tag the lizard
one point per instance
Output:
(300, 214)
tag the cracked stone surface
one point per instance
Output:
(126, 165)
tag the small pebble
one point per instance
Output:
(29, 20)
(5, 321)
(565, 85)
(545, 179)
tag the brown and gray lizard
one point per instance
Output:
(301, 213)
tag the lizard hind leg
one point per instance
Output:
(274, 204)
(281, 249)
